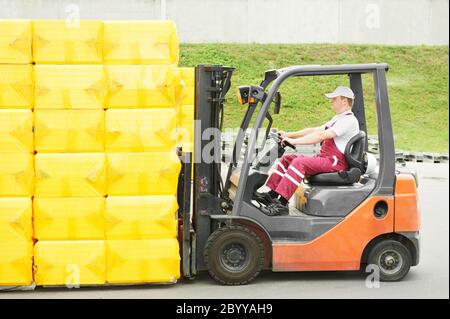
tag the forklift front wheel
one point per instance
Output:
(234, 255)
(392, 258)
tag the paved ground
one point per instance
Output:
(428, 280)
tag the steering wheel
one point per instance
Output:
(277, 137)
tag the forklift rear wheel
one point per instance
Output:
(234, 255)
(392, 258)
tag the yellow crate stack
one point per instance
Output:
(70, 161)
(141, 130)
(16, 153)
(94, 187)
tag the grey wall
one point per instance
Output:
(264, 21)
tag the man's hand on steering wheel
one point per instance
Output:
(282, 134)
(282, 141)
(287, 141)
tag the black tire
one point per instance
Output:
(234, 255)
(392, 258)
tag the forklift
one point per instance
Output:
(350, 219)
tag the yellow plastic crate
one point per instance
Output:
(70, 175)
(70, 262)
(142, 261)
(187, 128)
(15, 41)
(143, 86)
(140, 42)
(16, 263)
(188, 77)
(69, 86)
(142, 173)
(69, 130)
(16, 86)
(16, 131)
(15, 219)
(141, 217)
(67, 218)
(61, 41)
(141, 130)
(16, 174)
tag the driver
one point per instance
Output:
(333, 137)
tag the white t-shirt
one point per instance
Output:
(345, 127)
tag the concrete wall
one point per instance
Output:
(264, 21)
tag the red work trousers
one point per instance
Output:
(291, 169)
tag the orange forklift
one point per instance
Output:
(350, 219)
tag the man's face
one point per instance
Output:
(338, 104)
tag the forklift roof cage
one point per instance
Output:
(385, 182)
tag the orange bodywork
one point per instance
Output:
(341, 247)
(407, 214)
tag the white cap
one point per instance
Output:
(341, 91)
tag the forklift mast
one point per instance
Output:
(212, 83)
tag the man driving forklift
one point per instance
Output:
(292, 169)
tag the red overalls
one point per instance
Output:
(291, 169)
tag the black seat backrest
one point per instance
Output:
(355, 151)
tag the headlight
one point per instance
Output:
(243, 93)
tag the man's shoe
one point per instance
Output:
(263, 198)
(275, 209)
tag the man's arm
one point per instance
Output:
(312, 138)
(303, 132)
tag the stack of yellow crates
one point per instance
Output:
(143, 105)
(16, 153)
(94, 187)
(70, 163)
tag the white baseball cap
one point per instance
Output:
(341, 91)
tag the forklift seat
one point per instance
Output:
(355, 154)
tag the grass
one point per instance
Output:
(417, 81)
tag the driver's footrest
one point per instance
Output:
(275, 209)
